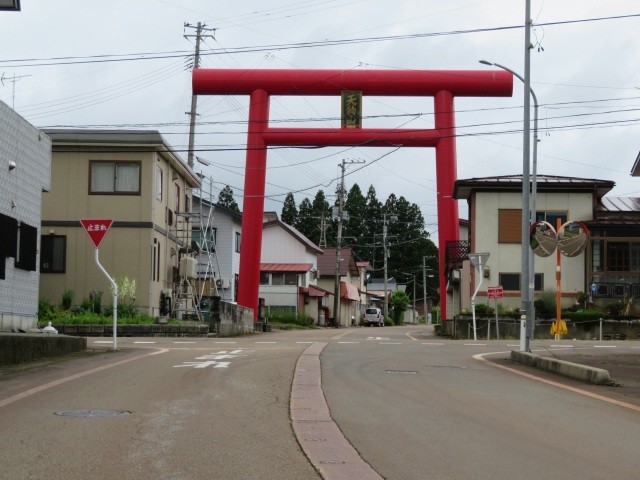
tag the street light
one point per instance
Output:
(528, 201)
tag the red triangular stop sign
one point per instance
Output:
(96, 229)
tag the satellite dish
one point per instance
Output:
(573, 238)
(543, 239)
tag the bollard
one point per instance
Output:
(523, 332)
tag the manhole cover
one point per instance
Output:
(403, 372)
(92, 413)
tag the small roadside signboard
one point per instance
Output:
(495, 292)
(96, 229)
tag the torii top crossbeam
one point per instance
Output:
(442, 85)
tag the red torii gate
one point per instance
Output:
(443, 85)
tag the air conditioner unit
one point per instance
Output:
(223, 283)
(188, 267)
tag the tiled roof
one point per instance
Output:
(544, 183)
(616, 211)
(327, 262)
(285, 267)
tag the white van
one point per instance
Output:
(373, 316)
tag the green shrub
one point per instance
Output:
(616, 308)
(96, 300)
(300, 319)
(47, 310)
(67, 299)
(388, 322)
(582, 315)
(126, 310)
(545, 305)
(86, 305)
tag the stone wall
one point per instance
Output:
(229, 319)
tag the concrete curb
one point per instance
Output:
(597, 376)
(320, 438)
(25, 347)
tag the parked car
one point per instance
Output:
(373, 316)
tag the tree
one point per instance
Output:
(289, 213)
(226, 199)
(373, 230)
(321, 209)
(399, 304)
(354, 228)
(306, 223)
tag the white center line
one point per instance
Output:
(225, 342)
(473, 344)
(184, 342)
(348, 342)
(432, 343)
(103, 341)
(266, 342)
(605, 346)
(144, 342)
(306, 342)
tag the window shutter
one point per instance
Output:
(509, 226)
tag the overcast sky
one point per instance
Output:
(585, 71)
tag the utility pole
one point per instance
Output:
(341, 216)
(393, 217)
(424, 286)
(323, 232)
(194, 98)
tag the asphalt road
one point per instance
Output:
(412, 406)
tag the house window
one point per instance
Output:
(177, 198)
(53, 250)
(511, 282)
(277, 278)
(159, 183)
(509, 226)
(114, 177)
(235, 287)
(237, 242)
(290, 278)
(552, 217)
(618, 256)
(205, 241)
(27, 247)
(264, 278)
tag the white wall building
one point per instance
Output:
(25, 171)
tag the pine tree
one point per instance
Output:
(289, 213)
(306, 224)
(226, 199)
(355, 230)
(321, 208)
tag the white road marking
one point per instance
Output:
(266, 342)
(474, 344)
(144, 342)
(225, 342)
(211, 360)
(513, 345)
(348, 342)
(184, 342)
(308, 343)
(432, 343)
(204, 364)
(390, 343)
(377, 338)
(561, 346)
(605, 346)
(104, 341)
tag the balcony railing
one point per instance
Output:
(456, 251)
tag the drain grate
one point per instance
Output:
(403, 372)
(92, 413)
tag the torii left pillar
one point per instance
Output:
(442, 85)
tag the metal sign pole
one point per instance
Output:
(114, 287)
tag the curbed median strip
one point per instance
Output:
(585, 373)
(320, 438)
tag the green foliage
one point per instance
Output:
(88, 318)
(67, 299)
(435, 315)
(482, 310)
(615, 309)
(290, 318)
(388, 321)
(545, 305)
(226, 199)
(125, 310)
(126, 298)
(96, 301)
(86, 305)
(399, 303)
(582, 315)
(289, 213)
(47, 310)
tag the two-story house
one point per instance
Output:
(136, 179)
(289, 271)
(495, 227)
(351, 276)
(25, 161)
(217, 233)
